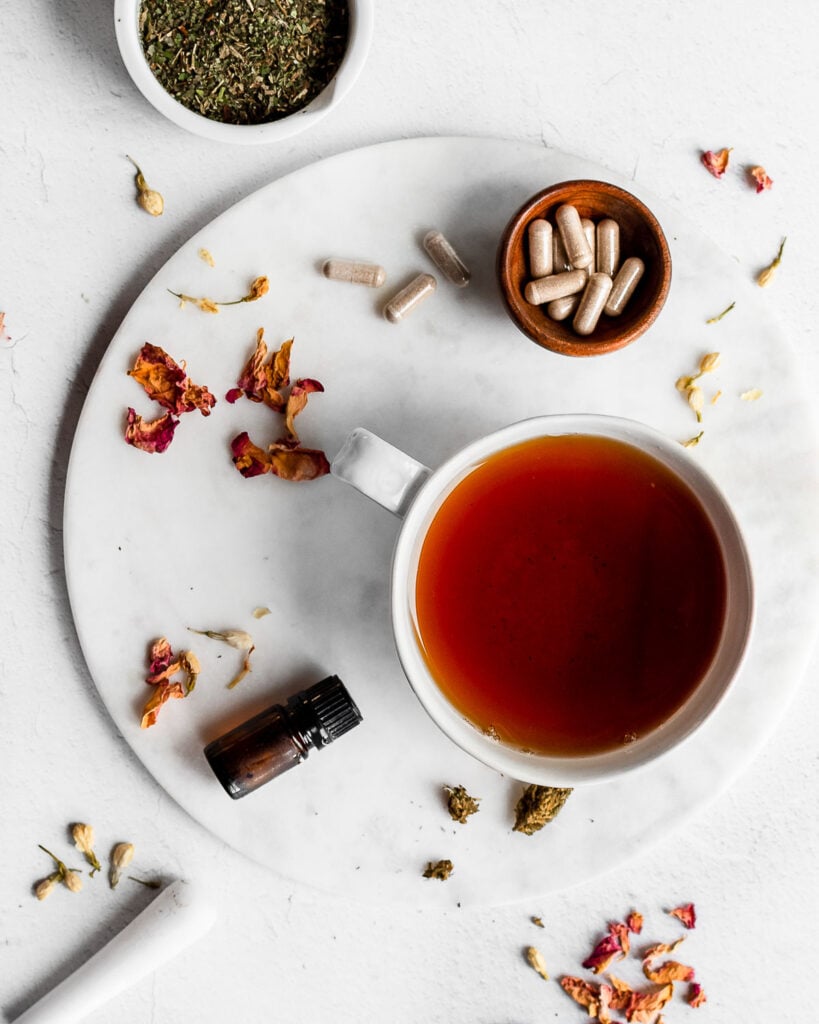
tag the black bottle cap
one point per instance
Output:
(331, 708)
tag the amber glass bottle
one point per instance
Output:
(282, 736)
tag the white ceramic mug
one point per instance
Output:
(415, 493)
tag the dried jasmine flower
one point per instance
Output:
(692, 442)
(150, 200)
(716, 319)
(760, 179)
(686, 914)
(441, 870)
(767, 275)
(716, 163)
(68, 876)
(535, 960)
(236, 638)
(121, 856)
(716, 397)
(206, 257)
(538, 806)
(83, 836)
(696, 400)
(460, 804)
(44, 887)
(751, 396)
(72, 881)
(258, 288)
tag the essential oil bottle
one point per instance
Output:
(282, 736)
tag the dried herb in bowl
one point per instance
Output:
(244, 61)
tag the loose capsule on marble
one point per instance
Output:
(544, 289)
(573, 236)
(628, 277)
(355, 272)
(591, 303)
(541, 254)
(608, 247)
(562, 309)
(405, 301)
(443, 255)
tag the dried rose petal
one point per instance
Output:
(685, 913)
(716, 163)
(696, 996)
(297, 463)
(645, 1007)
(153, 436)
(583, 992)
(634, 922)
(167, 383)
(760, 176)
(671, 970)
(160, 695)
(614, 946)
(160, 656)
(297, 400)
(234, 395)
(262, 381)
(248, 458)
(622, 994)
(662, 947)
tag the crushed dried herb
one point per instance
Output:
(441, 870)
(244, 61)
(535, 960)
(538, 806)
(460, 804)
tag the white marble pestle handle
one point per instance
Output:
(179, 915)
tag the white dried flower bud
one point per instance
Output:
(72, 881)
(121, 857)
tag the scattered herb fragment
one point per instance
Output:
(767, 275)
(149, 883)
(535, 960)
(236, 638)
(686, 914)
(150, 200)
(121, 856)
(83, 836)
(751, 396)
(460, 804)
(258, 289)
(242, 62)
(538, 921)
(716, 163)
(259, 613)
(206, 257)
(441, 870)
(760, 179)
(716, 319)
(692, 442)
(537, 806)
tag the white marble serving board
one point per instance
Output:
(157, 543)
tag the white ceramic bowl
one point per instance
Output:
(361, 17)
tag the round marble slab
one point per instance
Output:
(158, 543)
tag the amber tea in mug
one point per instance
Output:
(570, 595)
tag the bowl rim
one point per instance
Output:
(512, 234)
(361, 24)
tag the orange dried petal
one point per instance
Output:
(760, 177)
(716, 163)
(583, 992)
(160, 695)
(634, 922)
(671, 970)
(645, 1007)
(297, 400)
(685, 913)
(297, 464)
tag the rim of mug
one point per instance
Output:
(686, 720)
(359, 39)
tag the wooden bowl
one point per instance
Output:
(640, 235)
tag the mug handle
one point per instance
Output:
(380, 470)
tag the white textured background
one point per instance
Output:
(641, 88)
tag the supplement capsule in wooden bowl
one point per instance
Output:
(640, 236)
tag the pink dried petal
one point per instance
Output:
(234, 395)
(153, 436)
(760, 176)
(696, 996)
(634, 922)
(686, 914)
(716, 163)
(160, 656)
(248, 458)
(608, 949)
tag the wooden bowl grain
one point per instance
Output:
(640, 235)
